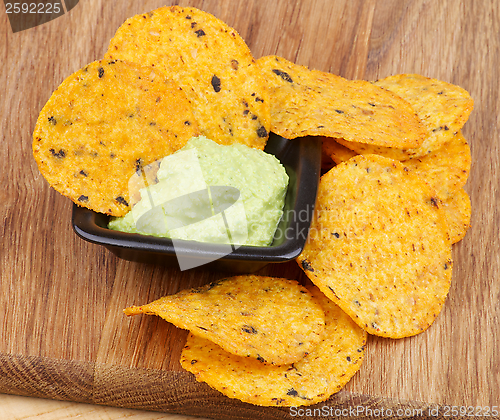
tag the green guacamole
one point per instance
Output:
(172, 208)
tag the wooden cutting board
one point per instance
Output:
(62, 331)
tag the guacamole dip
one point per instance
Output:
(189, 200)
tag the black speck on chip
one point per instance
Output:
(249, 329)
(261, 132)
(216, 83)
(60, 154)
(121, 200)
(52, 120)
(138, 165)
(83, 198)
(187, 122)
(284, 75)
(199, 32)
(83, 173)
(101, 72)
(306, 265)
(292, 392)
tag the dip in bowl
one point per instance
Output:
(301, 159)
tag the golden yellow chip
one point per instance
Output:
(379, 247)
(457, 209)
(336, 151)
(443, 108)
(310, 102)
(104, 123)
(313, 379)
(446, 170)
(210, 61)
(369, 149)
(270, 319)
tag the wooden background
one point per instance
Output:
(62, 332)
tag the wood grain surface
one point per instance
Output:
(63, 335)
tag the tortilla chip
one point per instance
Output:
(310, 102)
(211, 63)
(442, 107)
(270, 319)
(336, 151)
(313, 379)
(102, 125)
(446, 170)
(379, 247)
(457, 209)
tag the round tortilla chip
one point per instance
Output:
(210, 61)
(268, 319)
(313, 379)
(104, 123)
(379, 247)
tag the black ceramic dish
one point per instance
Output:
(302, 160)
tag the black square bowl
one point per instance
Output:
(301, 158)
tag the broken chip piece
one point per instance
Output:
(269, 319)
